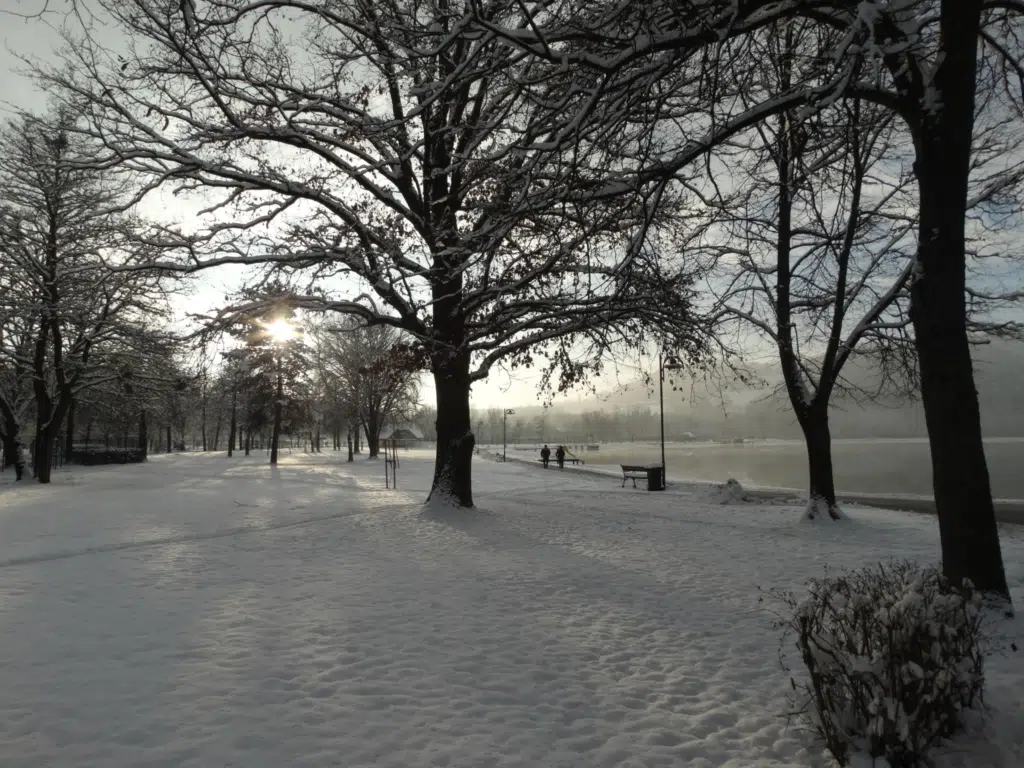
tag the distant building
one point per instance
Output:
(404, 434)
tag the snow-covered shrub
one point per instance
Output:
(730, 492)
(893, 656)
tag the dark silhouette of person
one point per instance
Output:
(545, 455)
(560, 456)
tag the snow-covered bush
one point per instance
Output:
(730, 492)
(893, 656)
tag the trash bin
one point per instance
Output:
(655, 477)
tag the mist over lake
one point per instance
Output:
(896, 466)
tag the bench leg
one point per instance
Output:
(634, 482)
(623, 481)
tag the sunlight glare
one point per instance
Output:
(281, 331)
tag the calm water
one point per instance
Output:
(865, 466)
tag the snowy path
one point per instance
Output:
(200, 611)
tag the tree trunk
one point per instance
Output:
(143, 433)
(372, 436)
(38, 458)
(454, 463)
(963, 495)
(216, 433)
(355, 440)
(350, 456)
(169, 446)
(234, 425)
(821, 498)
(45, 440)
(12, 455)
(248, 439)
(69, 441)
(47, 430)
(275, 436)
(9, 448)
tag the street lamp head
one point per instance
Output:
(509, 412)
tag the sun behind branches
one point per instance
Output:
(281, 331)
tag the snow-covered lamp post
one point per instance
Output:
(504, 433)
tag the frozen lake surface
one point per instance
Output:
(861, 466)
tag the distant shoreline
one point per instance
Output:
(882, 466)
(526, 445)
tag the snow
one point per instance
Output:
(206, 611)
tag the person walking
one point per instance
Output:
(545, 455)
(560, 456)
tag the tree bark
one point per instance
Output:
(963, 495)
(350, 452)
(821, 498)
(169, 446)
(357, 447)
(453, 479)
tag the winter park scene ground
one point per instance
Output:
(198, 611)
(298, 301)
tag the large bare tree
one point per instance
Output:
(918, 59)
(379, 149)
(815, 258)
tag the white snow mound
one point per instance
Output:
(730, 492)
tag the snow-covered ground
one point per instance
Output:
(205, 611)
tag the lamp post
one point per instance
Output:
(662, 367)
(504, 433)
(661, 410)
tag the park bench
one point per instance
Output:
(567, 460)
(633, 472)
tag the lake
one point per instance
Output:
(861, 466)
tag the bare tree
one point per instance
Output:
(61, 226)
(374, 373)
(818, 249)
(918, 59)
(16, 336)
(388, 150)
